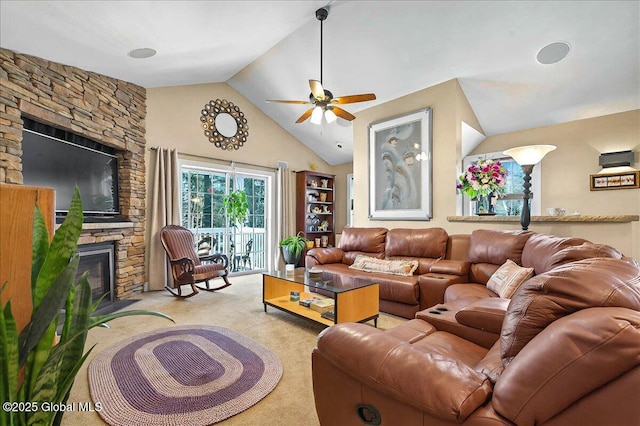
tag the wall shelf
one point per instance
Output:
(607, 218)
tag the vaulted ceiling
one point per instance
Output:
(270, 49)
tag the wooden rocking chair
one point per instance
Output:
(186, 266)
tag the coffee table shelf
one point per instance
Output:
(355, 304)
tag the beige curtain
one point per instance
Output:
(285, 214)
(164, 209)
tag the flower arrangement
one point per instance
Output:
(483, 177)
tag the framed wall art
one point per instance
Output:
(400, 167)
(624, 180)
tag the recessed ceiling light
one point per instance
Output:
(554, 52)
(143, 53)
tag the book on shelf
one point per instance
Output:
(330, 315)
(322, 305)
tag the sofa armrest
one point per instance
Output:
(323, 256)
(484, 314)
(433, 286)
(450, 267)
(431, 382)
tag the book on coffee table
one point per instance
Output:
(322, 305)
(330, 315)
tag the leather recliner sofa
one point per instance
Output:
(453, 269)
(568, 353)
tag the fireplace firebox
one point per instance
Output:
(98, 259)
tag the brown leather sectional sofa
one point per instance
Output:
(450, 266)
(564, 350)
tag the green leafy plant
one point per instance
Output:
(38, 372)
(237, 209)
(292, 247)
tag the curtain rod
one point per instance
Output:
(220, 160)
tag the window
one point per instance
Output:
(203, 190)
(510, 204)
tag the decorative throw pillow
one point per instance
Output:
(405, 268)
(506, 280)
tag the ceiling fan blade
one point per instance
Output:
(304, 116)
(343, 114)
(316, 90)
(290, 102)
(354, 98)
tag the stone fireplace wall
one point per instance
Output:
(101, 108)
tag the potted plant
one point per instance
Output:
(237, 209)
(39, 366)
(292, 248)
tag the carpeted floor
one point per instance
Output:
(239, 308)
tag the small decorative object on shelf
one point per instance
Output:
(315, 274)
(294, 296)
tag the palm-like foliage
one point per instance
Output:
(49, 368)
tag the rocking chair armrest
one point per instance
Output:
(182, 266)
(217, 258)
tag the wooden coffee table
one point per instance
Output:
(359, 303)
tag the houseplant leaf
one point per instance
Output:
(63, 246)
(40, 244)
(8, 360)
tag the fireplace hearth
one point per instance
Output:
(98, 259)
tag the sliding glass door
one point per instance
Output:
(203, 191)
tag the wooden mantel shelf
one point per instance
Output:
(607, 218)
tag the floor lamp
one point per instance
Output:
(528, 156)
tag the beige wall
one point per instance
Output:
(341, 171)
(443, 99)
(173, 121)
(565, 172)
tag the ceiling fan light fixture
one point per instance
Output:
(330, 116)
(322, 99)
(316, 115)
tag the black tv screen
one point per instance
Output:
(60, 164)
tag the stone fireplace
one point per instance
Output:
(106, 110)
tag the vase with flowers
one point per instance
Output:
(483, 182)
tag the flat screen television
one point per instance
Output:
(55, 158)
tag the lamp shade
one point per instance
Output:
(530, 154)
(330, 116)
(316, 115)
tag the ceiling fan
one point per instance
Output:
(322, 99)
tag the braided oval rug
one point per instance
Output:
(183, 375)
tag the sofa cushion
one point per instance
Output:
(583, 251)
(566, 289)
(539, 248)
(489, 249)
(385, 266)
(573, 358)
(366, 240)
(506, 280)
(428, 242)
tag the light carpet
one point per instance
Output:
(239, 308)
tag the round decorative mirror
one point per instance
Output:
(224, 124)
